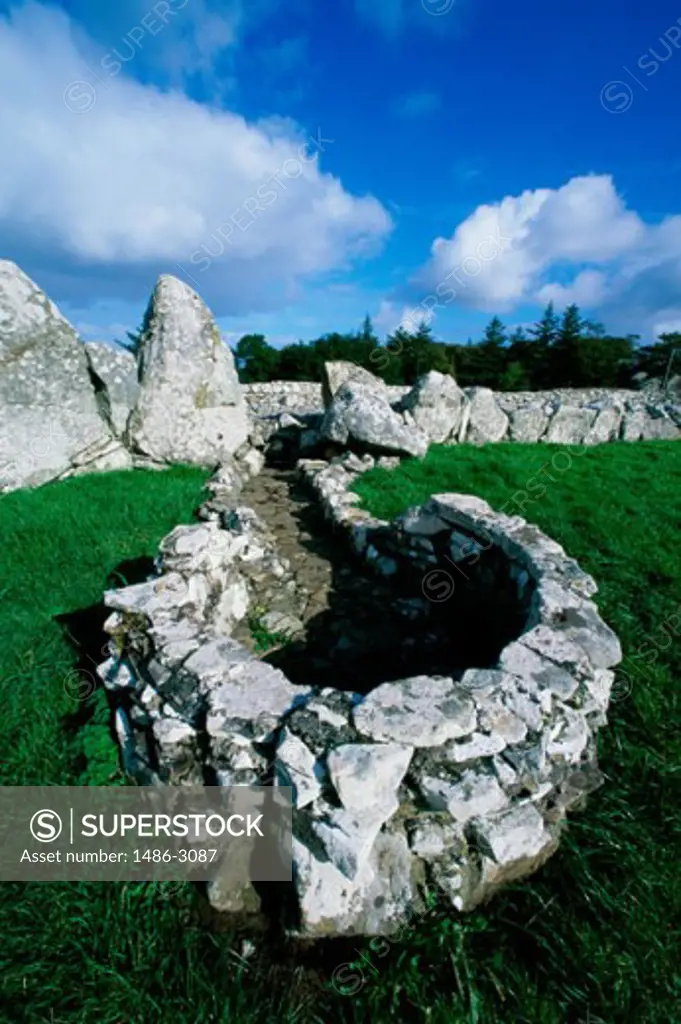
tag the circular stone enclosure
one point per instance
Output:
(453, 781)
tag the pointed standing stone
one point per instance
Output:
(190, 407)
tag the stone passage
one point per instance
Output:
(358, 628)
(419, 775)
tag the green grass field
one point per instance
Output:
(595, 936)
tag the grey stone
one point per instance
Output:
(423, 711)
(570, 425)
(360, 413)
(190, 407)
(527, 425)
(340, 371)
(485, 421)
(114, 370)
(368, 775)
(48, 412)
(436, 403)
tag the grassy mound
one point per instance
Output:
(595, 936)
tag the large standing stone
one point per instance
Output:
(359, 413)
(190, 407)
(48, 413)
(437, 404)
(114, 373)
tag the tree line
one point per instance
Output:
(563, 350)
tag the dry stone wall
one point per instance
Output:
(458, 782)
(444, 413)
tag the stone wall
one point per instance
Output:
(563, 416)
(458, 782)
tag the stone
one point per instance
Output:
(113, 371)
(633, 425)
(360, 414)
(177, 751)
(339, 372)
(606, 427)
(376, 902)
(296, 766)
(368, 774)
(347, 837)
(513, 842)
(424, 524)
(471, 796)
(422, 711)
(48, 411)
(486, 421)
(527, 425)
(659, 427)
(568, 737)
(478, 745)
(436, 403)
(190, 408)
(570, 425)
(247, 696)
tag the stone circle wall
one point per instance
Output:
(457, 782)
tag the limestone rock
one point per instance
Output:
(296, 766)
(375, 902)
(484, 421)
(340, 371)
(570, 425)
(368, 775)
(190, 407)
(113, 370)
(48, 412)
(423, 711)
(361, 414)
(436, 403)
(606, 427)
(528, 424)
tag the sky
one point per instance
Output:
(303, 164)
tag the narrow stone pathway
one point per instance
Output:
(354, 629)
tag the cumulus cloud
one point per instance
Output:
(112, 173)
(578, 243)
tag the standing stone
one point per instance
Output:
(190, 407)
(48, 412)
(113, 371)
(437, 404)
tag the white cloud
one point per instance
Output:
(146, 176)
(578, 243)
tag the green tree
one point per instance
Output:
(565, 352)
(255, 359)
(545, 330)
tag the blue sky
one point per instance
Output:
(302, 164)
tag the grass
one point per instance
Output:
(593, 937)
